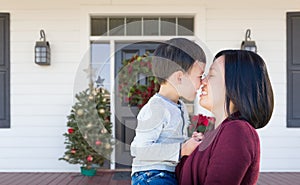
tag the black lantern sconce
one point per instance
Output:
(247, 44)
(42, 50)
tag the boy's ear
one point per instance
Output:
(179, 75)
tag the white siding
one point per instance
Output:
(41, 97)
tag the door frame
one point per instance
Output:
(113, 41)
(87, 11)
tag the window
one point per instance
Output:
(4, 71)
(101, 62)
(142, 26)
(293, 69)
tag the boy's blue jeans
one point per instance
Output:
(154, 177)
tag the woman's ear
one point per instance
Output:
(232, 107)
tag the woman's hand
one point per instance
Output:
(189, 146)
(198, 136)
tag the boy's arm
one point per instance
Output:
(156, 151)
(145, 146)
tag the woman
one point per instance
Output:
(238, 92)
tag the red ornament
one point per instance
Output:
(70, 130)
(98, 142)
(89, 158)
(73, 151)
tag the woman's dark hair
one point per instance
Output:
(174, 55)
(248, 86)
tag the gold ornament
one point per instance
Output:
(67, 157)
(89, 125)
(80, 112)
(91, 97)
(107, 146)
(103, 131)
(101, 111)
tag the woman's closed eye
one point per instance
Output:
(203, 76)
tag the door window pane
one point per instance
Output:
(168, 26)
(98, 26)
(185, 26)
(133, 26)
(100, 56)
(116, 26)
(126, 55)
(2, 95)
(150, 26)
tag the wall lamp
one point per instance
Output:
(42, 50)
(247, 44)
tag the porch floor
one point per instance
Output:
(119, 178)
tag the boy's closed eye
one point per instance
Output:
(202, 77)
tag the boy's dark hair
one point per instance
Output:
(178, 54)
(248, 86)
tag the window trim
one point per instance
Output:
(292, 122)
(142, 19)
(6, 67)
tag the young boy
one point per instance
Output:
(161, 131)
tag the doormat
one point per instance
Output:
(122, 176)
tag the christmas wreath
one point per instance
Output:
(137, 83)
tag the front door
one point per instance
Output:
(125, 116)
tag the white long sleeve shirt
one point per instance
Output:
(162, 127)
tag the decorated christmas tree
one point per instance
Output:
(88, 139)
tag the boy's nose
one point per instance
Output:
(204, 80)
